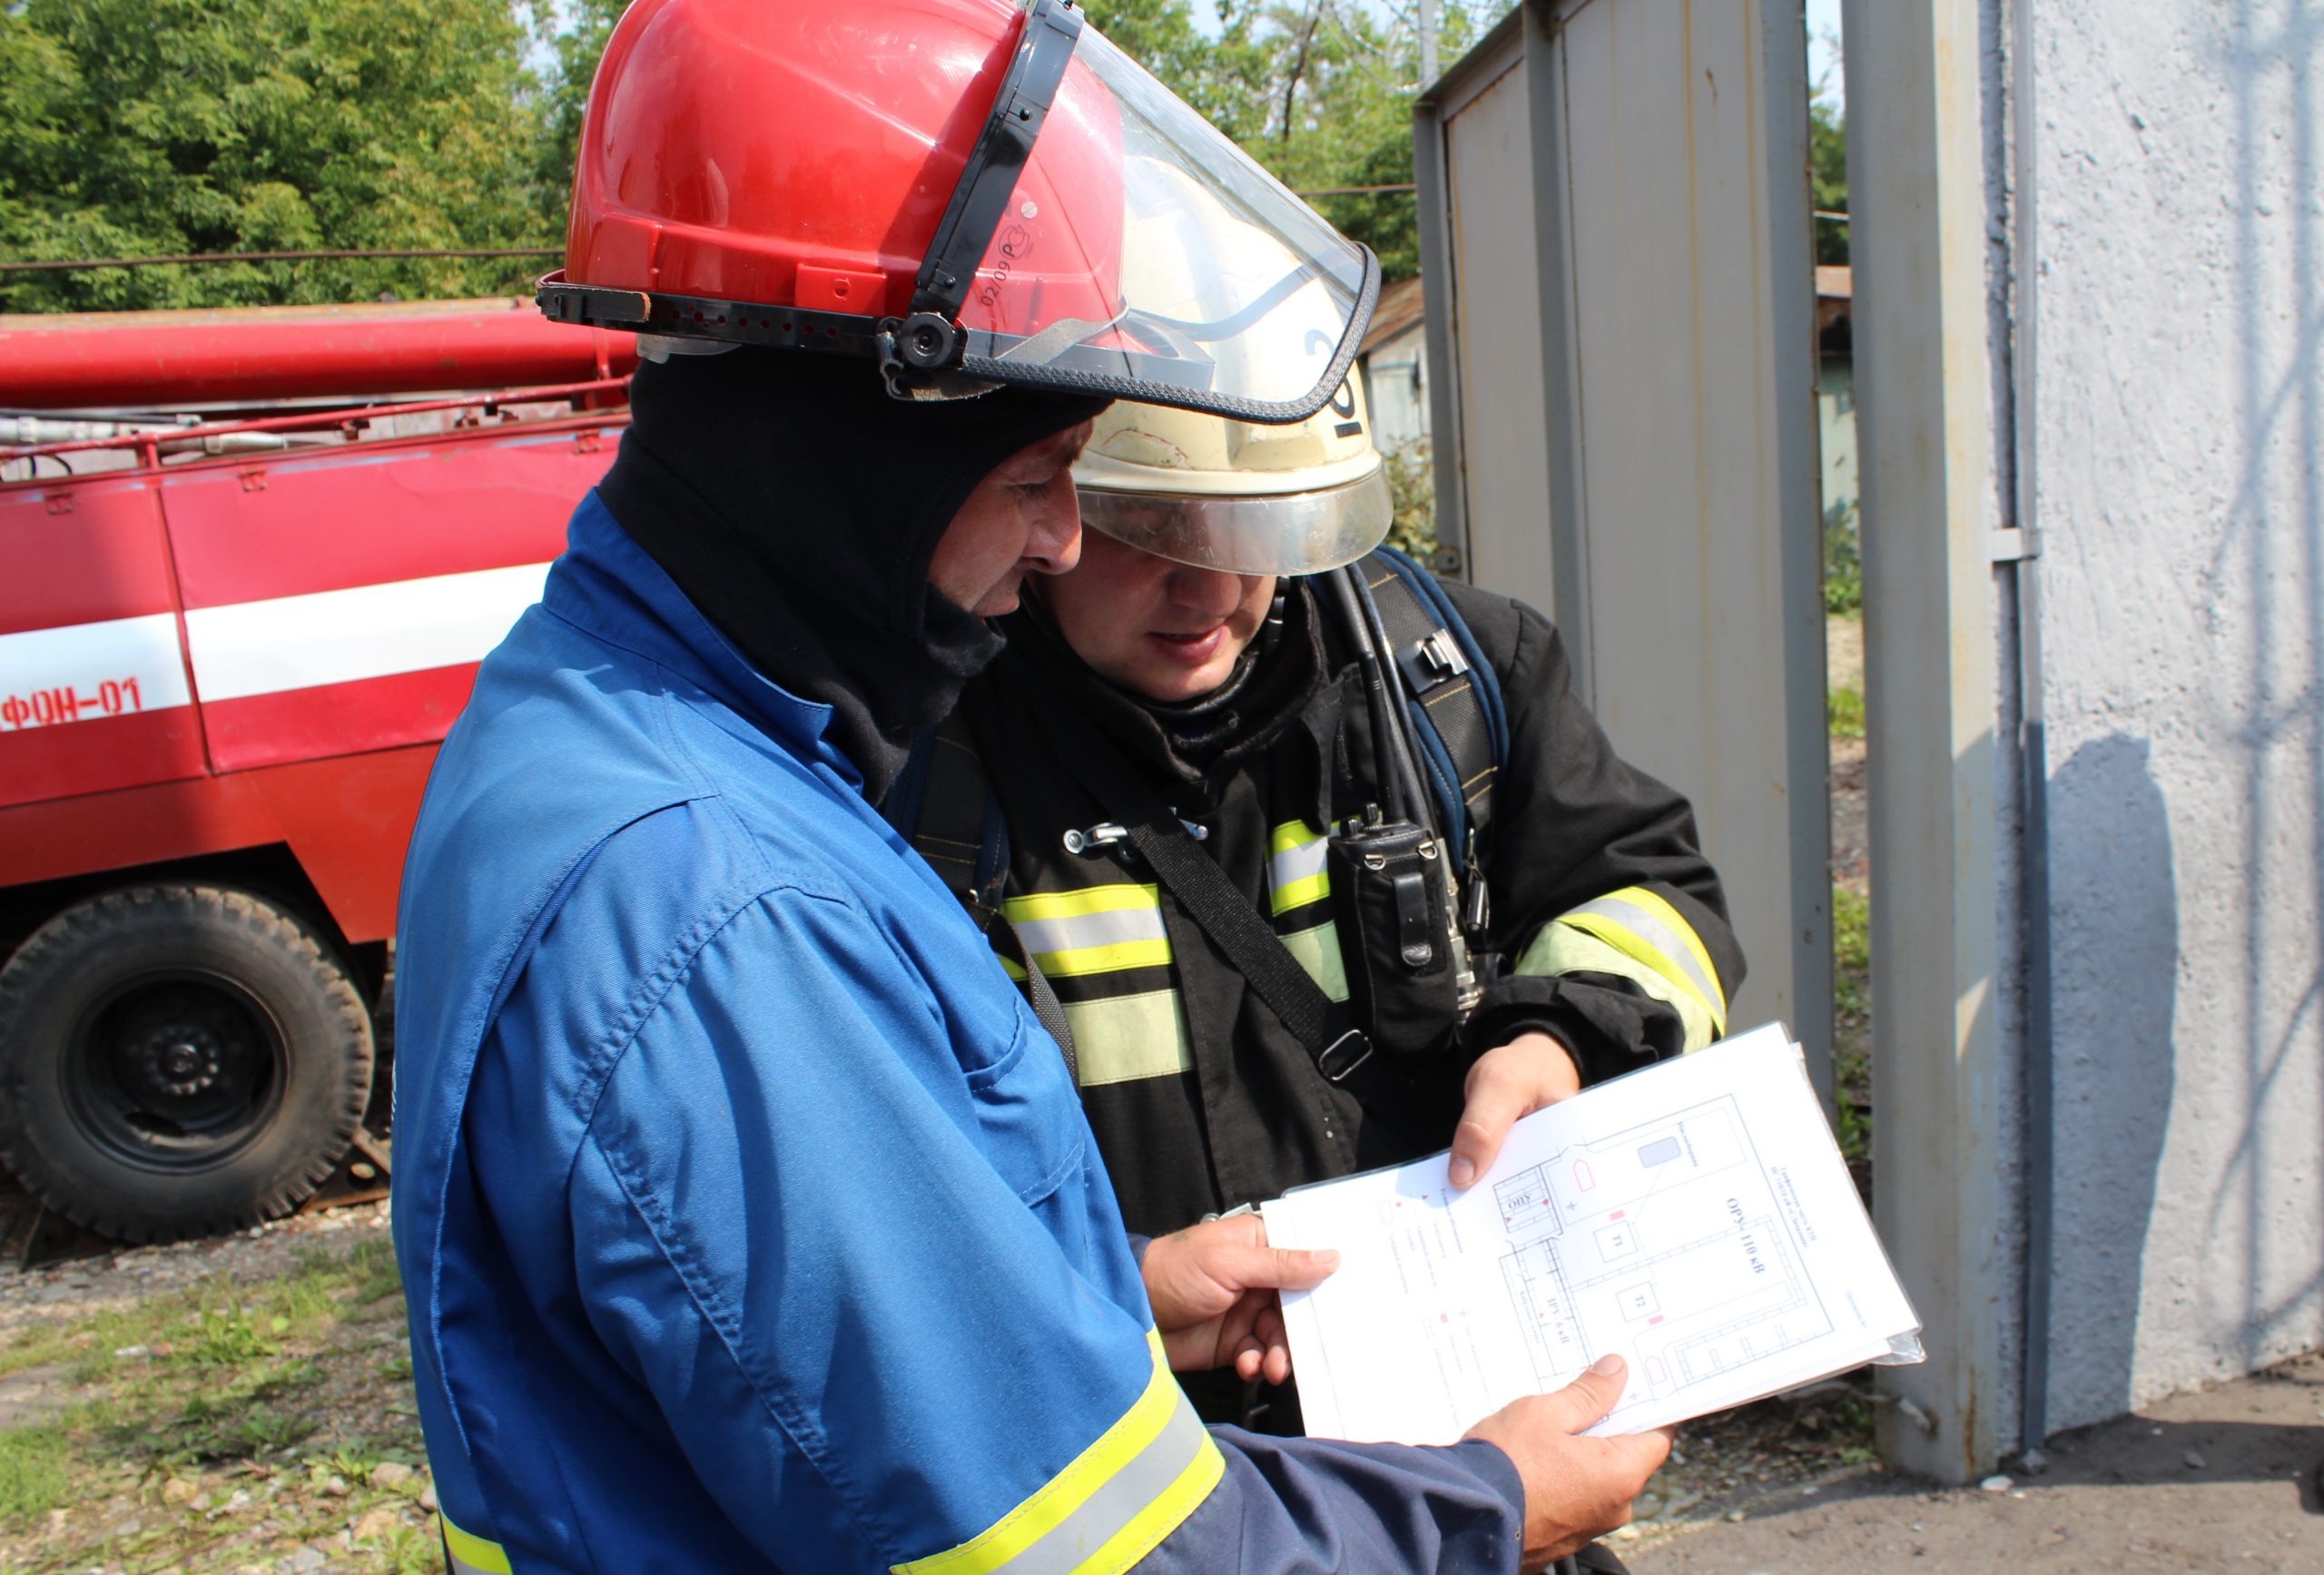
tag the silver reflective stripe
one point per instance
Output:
(1126, 1495)
(1676, 951)
(1082, 931)
(1295, 872)
(1109, 1508)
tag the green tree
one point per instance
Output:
(1827, 164)
(1319, 91)
(136, 127)
(574, 40)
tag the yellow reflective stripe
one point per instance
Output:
(1112, 1506)
(471, 1555)
(1630, 943)
(1643, 928)
(1638, 896)
(1126, 1037)
(1318, 951)
(1098, 930)
(1296, 875)
(1145, 1530)
(1036, 906)
(1563, 948)
(1081, 959)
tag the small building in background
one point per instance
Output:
(1394, 364)
(1836, 393)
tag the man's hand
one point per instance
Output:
(1213, 1286)
(1576, 1488)
(1531, 1072)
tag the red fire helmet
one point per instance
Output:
(949, 187)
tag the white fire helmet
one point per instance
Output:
(1233, 495)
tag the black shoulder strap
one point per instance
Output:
(943, 804)
(1451, 718)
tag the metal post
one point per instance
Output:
(1922, 375)
(1427, 42)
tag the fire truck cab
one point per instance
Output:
(251, 561)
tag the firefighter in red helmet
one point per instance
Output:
(748, 1216)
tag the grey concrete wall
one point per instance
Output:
(2181, 492)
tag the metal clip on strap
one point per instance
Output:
(1339, 1059)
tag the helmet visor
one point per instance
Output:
(1298, 532)
(1145, 256)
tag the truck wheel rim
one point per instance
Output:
(176, 1071)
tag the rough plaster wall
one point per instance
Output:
(2182, 458)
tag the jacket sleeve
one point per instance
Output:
(854, 1262)
(1609, 920)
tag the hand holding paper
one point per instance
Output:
(1694, 1217)
(1213, 1289)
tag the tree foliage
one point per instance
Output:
(138, 127)
(1828, 166)
(1319, 91)
(144, 127)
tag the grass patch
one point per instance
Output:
(1852, 1021)
(213, 1426)
(1845, 709)
(35, 1469)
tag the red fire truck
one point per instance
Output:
(249, 562)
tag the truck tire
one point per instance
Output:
(177, 1060)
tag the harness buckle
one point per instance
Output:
(1342, 1056)
(1431, 660)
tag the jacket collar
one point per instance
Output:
(606, 586)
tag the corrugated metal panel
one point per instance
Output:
(1629, 359)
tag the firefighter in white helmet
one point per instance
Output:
(1210, 663)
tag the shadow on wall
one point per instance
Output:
(2114, 974)
(2275, 68)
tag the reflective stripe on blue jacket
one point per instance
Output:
(748, 1217)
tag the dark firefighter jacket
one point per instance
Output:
(1608, 924)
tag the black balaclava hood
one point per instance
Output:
(798, 505)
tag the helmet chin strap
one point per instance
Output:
(1271, 632)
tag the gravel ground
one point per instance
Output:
(113, 1281)
(257, 1421)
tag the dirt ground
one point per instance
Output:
(2221, 1479)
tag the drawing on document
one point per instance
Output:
(1663, 1242)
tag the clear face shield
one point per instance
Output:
(1214, 256)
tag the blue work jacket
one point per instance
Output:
(748, 1219)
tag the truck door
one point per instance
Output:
(93, 676)
(338, 601)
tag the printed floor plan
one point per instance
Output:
(1663, 1242)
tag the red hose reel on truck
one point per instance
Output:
(230, 641)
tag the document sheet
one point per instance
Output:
(1695, 1217)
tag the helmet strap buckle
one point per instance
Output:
(919, 358)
